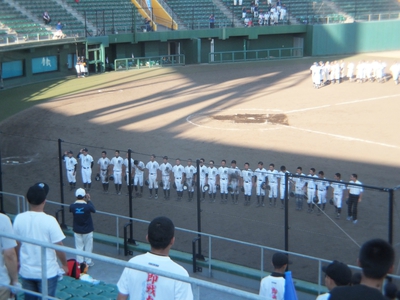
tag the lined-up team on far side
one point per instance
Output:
(228, 181)
(365, 71)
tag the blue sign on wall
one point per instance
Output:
(44, 64)
(12, 69)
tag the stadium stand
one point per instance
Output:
(388, 9)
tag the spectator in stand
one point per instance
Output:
(244, 12)
(147, 24)
(376, 259)
(212, 21)
(336, 274)
(46, 18)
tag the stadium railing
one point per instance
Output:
(195, 283)
(248, 55)
(123, 64)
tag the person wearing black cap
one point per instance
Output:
(376, 260)
(139, 285)
(87, 165)
(36, 224)
(70, 165)
(336, 274)
(82, 210)
(273, 286)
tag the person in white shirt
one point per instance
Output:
(355, 196)
(116, 163)
(336, 274)
(36, 224)
(190, 173)
(70, 165)
(259, 179)
(179, 175)
(126, 171)
(153, 168)
(338, 189)
(299, 184)
(272, 287)
(139, 167)
(203, 177)
(272, 176)
(322, 187)
(104, 163)
(282, 184)
(247, 177)
(138, 285)
(223, 176)
(165, 169)
(87, 165)
(212, 180)
(234, 181)
(311, 192)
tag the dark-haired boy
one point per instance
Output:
(376, 259)
(140, 285)
(336, 274)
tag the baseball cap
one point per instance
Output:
(37, 193)
(339, 272)
(279, 259)
(160, 232)
(80, 193)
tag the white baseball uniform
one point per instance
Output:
(260, 175)
(223, 173)
(117, 162)
(234, 175)
(139, 172)
(70, 163)
(212, 179)
(311, 188)
(190, 171)
(247, 176)
(153, 168)
(273, 183)
(86, 163)
(282, 184)
(338, 189)
(203, 176)
(321, 190)
(126, 164)
(178, 171)
(103, 164)
(165, 169)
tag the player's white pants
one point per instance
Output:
(337, 199)
(179, 184)
(78, 69)
(189, 182)
(166, 183)
(223, 182)
(84, 242)
(240, 2)
(310, 195)
(202, 182)
(213, 188)
(71, 174)
(273, 192)
(282, 188)
(259, 190)
(321, 196)
(103, 175)
(247, 187)
(138, 180)
(153, 181)
(87, 175)
(235, 186)
(127, 178)
(234, 2)
(117, 177)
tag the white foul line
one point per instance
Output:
(344, 137)
(342, 103)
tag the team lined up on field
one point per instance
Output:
(365, 71)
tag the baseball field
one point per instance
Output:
(256, 111)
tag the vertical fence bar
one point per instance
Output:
(319, 276)
(209, 256)
(391, 203)
(60, 163)
(117, 235)
(262, 262)
(43, 251)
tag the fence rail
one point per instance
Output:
(123, 64)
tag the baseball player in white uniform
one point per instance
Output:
(203, 177)
(104, 163)
(138, 179)
(350, 71)
(179, 176)
(87, 165)
(282, 184)
(247, 176)
(190, 172)
(299, 185)
(234, 181)
(338, 189)
(259, 179)
(117, 163)
(126, 171)
(70, 166)
(322, 187)
(311, 190)
(212, 180)
(153, 168)
(272, 176)
(395, 70)
(223, 176)
(165, 169)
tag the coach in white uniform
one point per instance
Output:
(117, 163)
(87, 165)
(104, 163)
(165, 169)
(70, 166)
(153, 167)
(190, 172)
(223, 174)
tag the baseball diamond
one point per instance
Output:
(248, 112)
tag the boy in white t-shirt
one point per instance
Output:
(138, 285)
